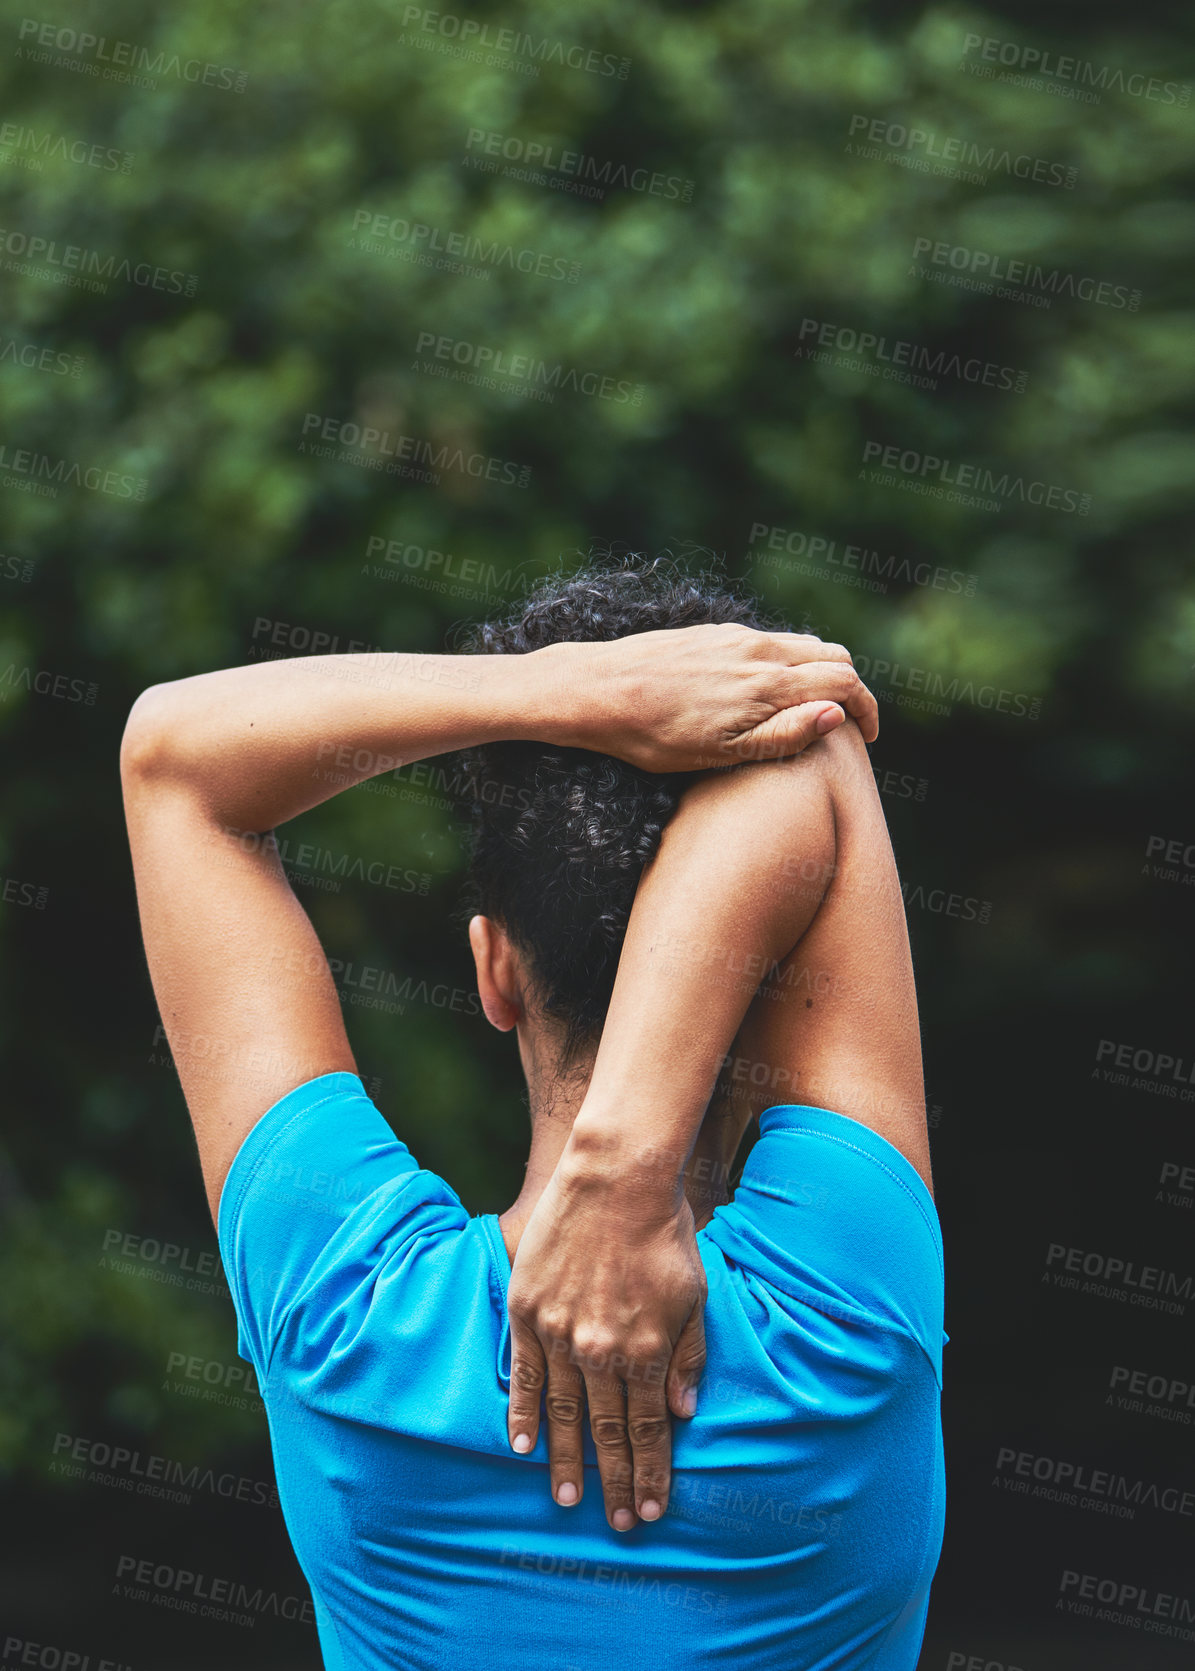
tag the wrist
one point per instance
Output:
(602, 1158)
(569, 700)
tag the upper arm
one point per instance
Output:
(242, 983)
(707, 924)
(837, 1027)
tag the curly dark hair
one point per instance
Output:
(561, 836)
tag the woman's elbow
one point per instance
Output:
(149, 744)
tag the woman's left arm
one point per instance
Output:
(210, 765)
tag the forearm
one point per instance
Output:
(708, 923)
(263, 743)
(254, 742)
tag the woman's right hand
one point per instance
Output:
(687, 699)
(606, 1304)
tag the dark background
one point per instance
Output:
(1043, 813)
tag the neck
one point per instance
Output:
(706, 1175)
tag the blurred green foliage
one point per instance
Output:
(357, 118)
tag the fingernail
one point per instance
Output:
(828, 719)
(521, 1442)
(623, 1520)
(689, 1402)
(649, 1510)
(567, 1494)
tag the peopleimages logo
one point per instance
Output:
(26, 1652)
(145, 64)
(495, 368)
(151, 1475)
(1111, 1277)
(1135, 1605)
(910, 680)
(1164, 1395)
(925, 365)
(985, 266)
(378, 445)
(1176, 853)
(38, 473)
(919, 148)
(187, 1589)
(1115, 1062)
(795, 543)
(34, 145)
(953, 480)
(943, 904)
(1053, 66)
(432, 246)
(559, 164)
(1183, 1177)
(64, 262)
(497, 41)
(1114, 1490)
(36, 358)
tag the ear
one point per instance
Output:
(497, 973)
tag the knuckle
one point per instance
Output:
(594, 1345)
(564, 1408)
(648, 1431)
(745, 638)
(649, 1348)
(553, 1322)
(609, 1433)
(526, 1376)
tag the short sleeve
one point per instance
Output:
(321, 1162)
(833, 1214)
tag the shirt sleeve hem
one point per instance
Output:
(262, 1136)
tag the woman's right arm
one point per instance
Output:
(613, 1231)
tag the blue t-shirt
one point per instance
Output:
(808, 1497)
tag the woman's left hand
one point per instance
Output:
(684, 699)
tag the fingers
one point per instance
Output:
(788, 732)
(565, 1403)
(608, 1424)
(688, 1365)
(796, 647)
(526, 1385)
(867, 711)
(649, 1428)
(834, 681)
(800, 669)
(840, 683)
(864, 708)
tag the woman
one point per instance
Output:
(671, 950)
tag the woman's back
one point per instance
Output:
(807, 1503)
